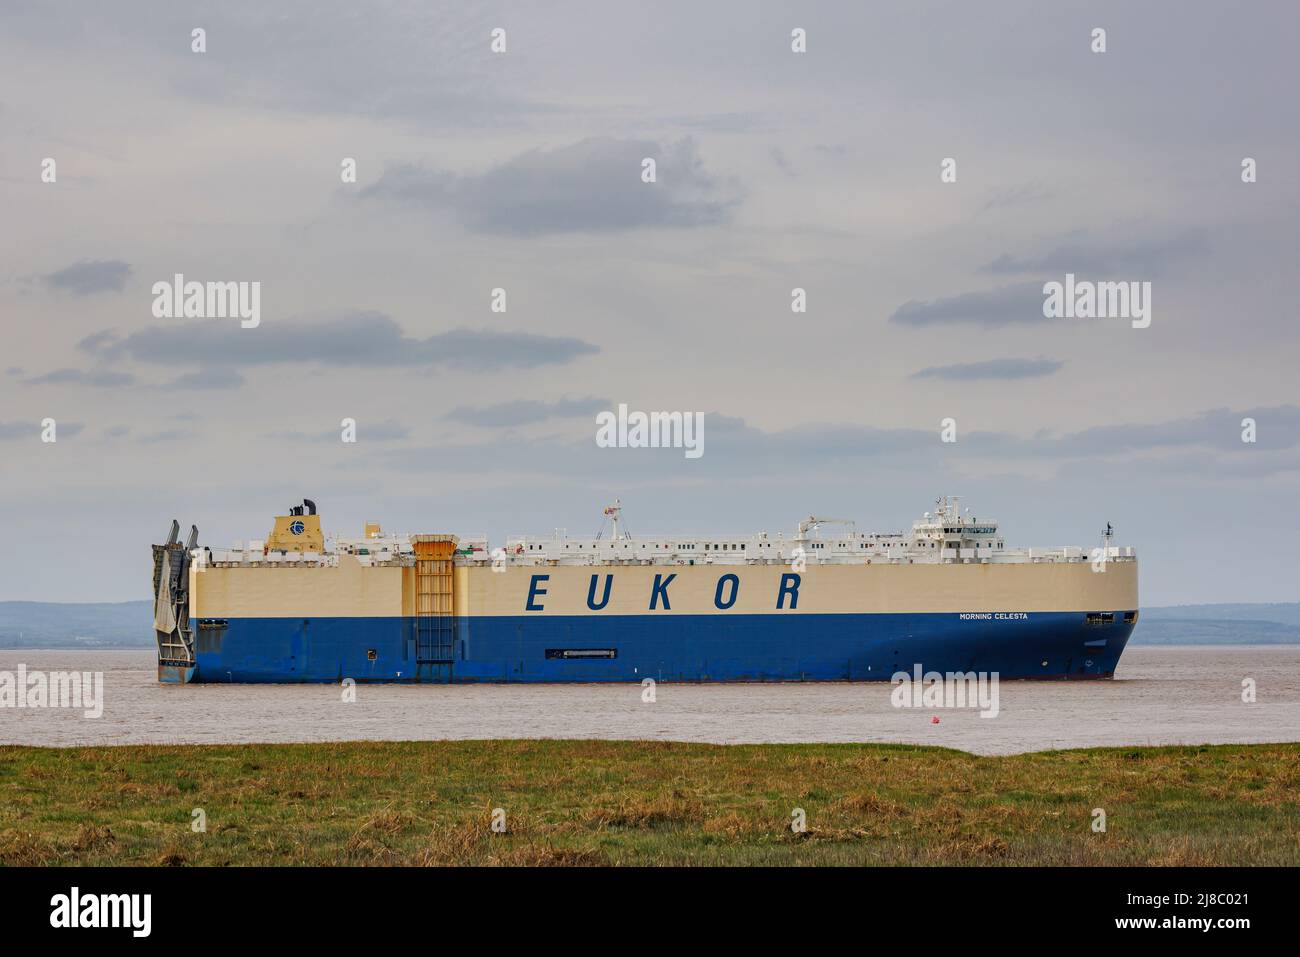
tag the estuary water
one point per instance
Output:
(1160, 695)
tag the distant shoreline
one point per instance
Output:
(126, 626)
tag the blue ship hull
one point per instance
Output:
(821, 647)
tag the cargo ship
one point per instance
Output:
(828, 603)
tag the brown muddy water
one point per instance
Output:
(1160, 695)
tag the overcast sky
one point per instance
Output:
(775, 170)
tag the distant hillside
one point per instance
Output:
(48, 624)
(1242, 624)
(129, 624)
(1284, 612)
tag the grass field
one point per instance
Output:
(632, 802)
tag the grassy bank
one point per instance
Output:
(598, 802)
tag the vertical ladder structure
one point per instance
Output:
(435, 611)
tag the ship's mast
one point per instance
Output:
(614, 514)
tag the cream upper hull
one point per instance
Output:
(352, 590)
(823, 589)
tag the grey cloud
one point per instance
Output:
(1278, 427)
(994, 307)
(117, 431)
(735, 122)
(736, 449)
(32, 430)
(991, 369)
(388, 430)
(1019, 195)
(90, 276)
(593, 185)
(99, 378)
(1215, 431)
(360, 339)
(732, 448)
(17, 430)
(407, 61)
(525, 411)
(206, 379)
(1083, 255)
(97, 342)
(166, 435)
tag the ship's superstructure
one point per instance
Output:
(827, 602)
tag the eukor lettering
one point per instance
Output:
(660, 590)
(726, 592)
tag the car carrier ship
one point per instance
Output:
(827, 604)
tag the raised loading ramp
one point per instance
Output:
(171, 590)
